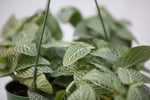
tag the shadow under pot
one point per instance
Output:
(16, 91)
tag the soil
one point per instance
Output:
(17, 88)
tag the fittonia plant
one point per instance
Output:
(89, 68)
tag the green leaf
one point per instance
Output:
(133, 56)
(120, 41)
(71, 15)
(54, 27)
(76, 52)
(60, 95)
(136, 92)
(3, 52)
(58, 44)
(102, 62)
(10, 27)
(95, 24)
(63, 71)
(102, 68)
(51, 24)
(124, 34)
(26, 49)
(42, 83)
(84, 92)
(28, 61)
(6, 44)
(3, 57)
(47, 36)
(122, 30)
(63, 81)
(107, 81)
(33, 95)
(3, 62)
(81, 31)
(129, 76)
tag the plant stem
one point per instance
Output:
(104, 97)
(101, 19)
(39, 46)
(69, 86)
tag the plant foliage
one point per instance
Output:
(88, 68)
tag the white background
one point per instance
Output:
(137, 11)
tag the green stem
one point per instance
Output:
(101, 19)
(39, 46)
(69, 86)
(104, 97)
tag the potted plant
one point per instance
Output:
(100, 64)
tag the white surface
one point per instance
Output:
(137, 11)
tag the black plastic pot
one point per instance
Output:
(16, 91)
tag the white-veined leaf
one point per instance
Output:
(28, 61)
(133, 56)
(76, 52)
(78, 78)
(33, 95)
(136, 92)
(78, 75)
(62, 71)
(27, 73)
(89, 46)
(106, 54)
(26, 34)
(26, 49)
(84, 92)
(45, 69)
(11, 63)
(57, 44)
(107, 81)
(110, 52)
(129, 76)
(42, 83)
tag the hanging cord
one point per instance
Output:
(39, 46)
(101, 19)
